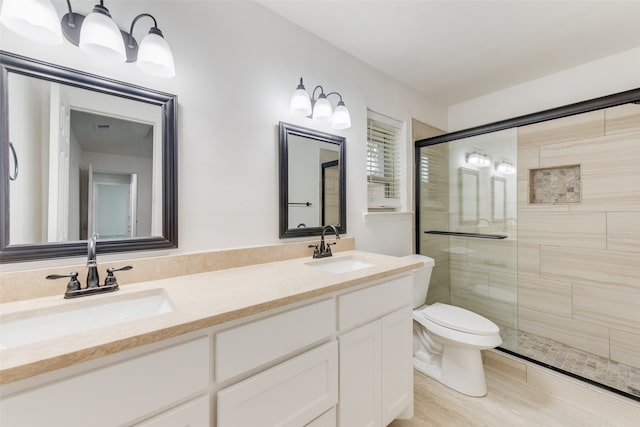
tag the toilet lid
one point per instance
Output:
(459, 319)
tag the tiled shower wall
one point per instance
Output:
(579, 263)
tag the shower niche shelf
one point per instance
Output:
(555, 185)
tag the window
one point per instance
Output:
(384, 162)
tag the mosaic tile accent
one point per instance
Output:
(555, 185)
(587, 365)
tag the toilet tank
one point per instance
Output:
(421, 278)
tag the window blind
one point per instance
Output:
(384, 167)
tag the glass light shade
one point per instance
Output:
(505, 167)
(300, 104)
(35, 20)
(100, 36)
(155, 57)
(341, 117)
(479, 159)
(322, 111)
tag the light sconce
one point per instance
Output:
(505, 166)
(95, 33)
(478, 158)
(319, 108)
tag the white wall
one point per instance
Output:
(237, 65)
(606, 76)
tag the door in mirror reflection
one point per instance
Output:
(63, 135)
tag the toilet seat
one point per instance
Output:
(459, 319)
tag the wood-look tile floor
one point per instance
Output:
(509, 402)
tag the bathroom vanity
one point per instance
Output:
(300, 342)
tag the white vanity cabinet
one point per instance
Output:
(376, 374)
(339, 359)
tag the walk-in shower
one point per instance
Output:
(534, 223)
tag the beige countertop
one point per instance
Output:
(199, 301)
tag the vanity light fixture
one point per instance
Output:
(319, 108)
(478, 158)
(505, 166)
(97, 33)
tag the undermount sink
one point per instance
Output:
(340, 264)
(27, 327)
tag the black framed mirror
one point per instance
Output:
(312, 181)
(91, 155)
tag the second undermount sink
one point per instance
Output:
(27, 327)
(340, 264)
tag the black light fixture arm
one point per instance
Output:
(131, 43)
(313, 94)
(336, 93)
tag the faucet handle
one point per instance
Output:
(316, 251)
(72, 286)
(111, 280)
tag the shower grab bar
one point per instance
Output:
(474, 235)
(300, 203)
(13, 176)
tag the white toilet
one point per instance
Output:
(447, 340)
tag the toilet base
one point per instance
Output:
(458, 368)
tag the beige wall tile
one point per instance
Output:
(493, 309)
(623, 118)
(610, 307)
(623, 231)
(544, 295)
(582, 335)
(615, 191)
(587, 125)
(591, 266)
(528, 258)
(495, 255)
(579, 230)
(595, 155)
(625, 347)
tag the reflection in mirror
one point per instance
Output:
(312, 181)
(498, 199)
(94, 156)
(469, 198)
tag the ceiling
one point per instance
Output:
(452, 51)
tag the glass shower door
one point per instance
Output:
(467, 208)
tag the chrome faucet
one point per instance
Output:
(75, 289)
(93, 279)
(325, 248)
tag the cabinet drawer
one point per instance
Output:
(114, 394)
(253, 344)
(292, 394)
(194, 413)
(370, 303)
(328, 419)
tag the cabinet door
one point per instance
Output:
(360, 365)
(397, 369)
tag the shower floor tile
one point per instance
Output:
(587, 365)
